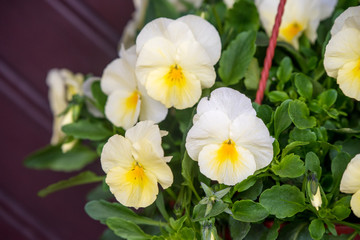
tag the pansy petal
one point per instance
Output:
(350, 182)
(116, 152)
(129, 55)
(226, 166)
(231, 102)
(327, 7)
(251, 133)
(342, 48)
(132, 192)
(211, 128)
(123, 107)
(350, 18)
(355, 203)
(349, 79)
(205, 34)
(118, 75)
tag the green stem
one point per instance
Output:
(152, 222)
(356, 227)
(171, 193)
(218, 21)
(352, 236)
(191, 186)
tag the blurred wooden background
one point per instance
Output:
(35, 36)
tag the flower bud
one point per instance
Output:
(313, 191)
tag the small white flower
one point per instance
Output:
(299, 17)
(316, 200)
(350, 183)
(176, 58)
(63, 85)
(227, 139)
(128, 100)
(135, 164)
(342, 55)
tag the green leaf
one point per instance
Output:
(87, 129)
(291, 166)
(245, 184)
(302, 135)
(238, 230)
(281, 118)
(126, 229)
(291, 146)
(327, 98)
(299, 114)
(102, 210)
(160, 204)
(312, 163)
(80, 179)
(177, 224)
(283, 201)
(249, 211)
(338, 166)
(51, 157)
(253, 192)
(264, 112)
(273, 231)
(252, 75)
(295, 231)
(186, 233)
(199, 211)
(160, 8)
(285, 69)
(99, 96)
(317, 229)
(241, 20)
(236, 58)
(277, 96)
(304, 85)
(341, 212)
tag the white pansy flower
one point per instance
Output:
(135, 164)
(342, 55)
(227, 139)
(350, 183)
(299, 17)
(127, 99)
(63, 85)
(176, 59)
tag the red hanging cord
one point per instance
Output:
(270, 53)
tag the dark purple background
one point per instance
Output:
(35, 36)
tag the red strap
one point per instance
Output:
(270, 53)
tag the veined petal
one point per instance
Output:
(133, 187)
(146, 131)
(116, 152)
(350, 182)
(231, 102)
(211, 128)
(226, 162)
(350, 18)
(151, 109)
(123, 107)
(155, 164)
(349, 79)
(251, 133)
(118, 75)
(355, 203)
(205, 34)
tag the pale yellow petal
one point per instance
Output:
(349, 79)
(226, 163)
(116, 152)
(350, 18)
(355, 203)
(132, 187)
(350, 182)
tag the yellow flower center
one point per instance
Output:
(356, 70)
(227, 151)
(175, 76)
(131, 101)
(290, 31)
(136, 175)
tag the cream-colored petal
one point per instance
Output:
(205, 34)
(116, 152)
(65, 147)
(226, 166)
(349, 79)
(150, 108)
(231, 102)
(118, 75)
(211, 128)
(350, 182)
(341, 49)
(178, 32)
(88, 93)
(151, 162)
(122, 108)
(327, 7)
(146, 131)
(129, 55)
(251, 133)
(57, 97)
(153, 29)
(350, 18)
(355, 203)
(129, 192)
